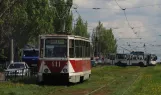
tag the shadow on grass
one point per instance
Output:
(33, 80)
(58, 83)
(24, 80)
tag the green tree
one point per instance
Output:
(40, 18)
(8, 22)
(24, 21)
(103, 40)
(81, 28)
(68, 25)
(63, 19)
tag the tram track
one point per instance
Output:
(136, 80)
(99, 88)
(104, 86)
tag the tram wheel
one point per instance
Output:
(141, 64)
(81, 79)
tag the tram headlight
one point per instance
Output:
(46, 70)
(65, 70)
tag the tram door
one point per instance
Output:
(112, 59)
(148, 59)
(129, 58)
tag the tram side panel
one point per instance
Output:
(82, 70)
(135, 60)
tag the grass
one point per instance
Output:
(116, 81)
(150, 84)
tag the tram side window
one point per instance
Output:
(134, 57)
(83, 48)
(41, 48)
(112, 57)
(88, 49)
(78, 48)
(87, 52)
(71, 49)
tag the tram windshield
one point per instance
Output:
(55, 47)
(153, 57)
(121, 56)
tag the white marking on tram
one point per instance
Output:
(70, 67)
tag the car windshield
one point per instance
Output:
(14, 66)
(56, 47)
(30, 53)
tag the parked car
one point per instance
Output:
(93, 62)
(18, 69)
(99, 61)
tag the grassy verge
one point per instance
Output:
(150, 83)
(117, 81)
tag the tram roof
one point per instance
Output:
(61, 35)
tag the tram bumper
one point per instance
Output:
(56, 77)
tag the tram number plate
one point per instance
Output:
(56, 63)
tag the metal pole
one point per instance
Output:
(12, 52)
(96, 43)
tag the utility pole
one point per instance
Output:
(12, 52)
(96, 42)
(62, 15)
(97, 33)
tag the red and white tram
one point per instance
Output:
(64, 58)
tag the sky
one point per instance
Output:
(143, 15)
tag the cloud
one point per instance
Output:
(146, 19)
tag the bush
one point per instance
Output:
(1, 70)
(12, 93)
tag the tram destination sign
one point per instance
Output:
(56, 41)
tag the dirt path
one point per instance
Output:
(2, 77)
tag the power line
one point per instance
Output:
(127, 19)
(78, 15)
(118, 5)
(120, 8)
(123, 9)
(145, 6)
(147, 25)
(77, 12)
(137, 26)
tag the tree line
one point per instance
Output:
(25, 20)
